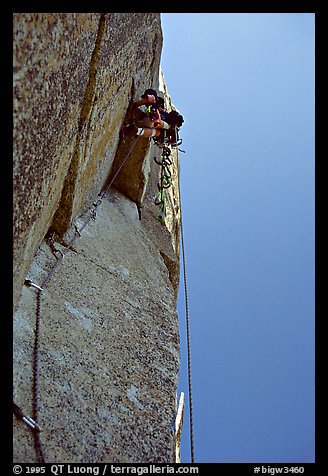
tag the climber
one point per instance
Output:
(166, 123)
(146, 116)
(170, 123)
(149, 118)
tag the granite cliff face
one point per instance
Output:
(74, 76)
(109, 340)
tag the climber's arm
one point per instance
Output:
(148, 99)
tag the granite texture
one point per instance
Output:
(109, 335)
(109, 345)
(74, 75)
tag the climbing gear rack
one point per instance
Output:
(164, 182)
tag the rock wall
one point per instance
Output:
(108, 358)
(74, 77)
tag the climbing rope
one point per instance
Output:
(35, 386)
(191, 424)
(102, 194)
(188, 346)
(165, 182)
(59, 255)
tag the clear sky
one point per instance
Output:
(244, 83)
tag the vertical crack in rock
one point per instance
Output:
(109, 337)
(63, 215)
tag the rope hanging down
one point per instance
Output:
(191, 424)
(165, 182)
(59, 255)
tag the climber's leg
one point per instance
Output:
(146, 132)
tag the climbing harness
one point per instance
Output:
(168, 137)
(32, 423)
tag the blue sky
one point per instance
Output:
(244, 83)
